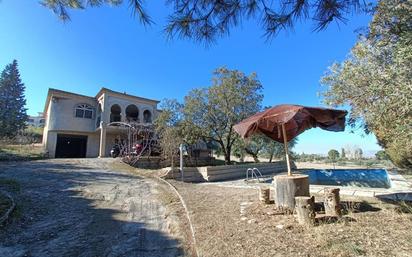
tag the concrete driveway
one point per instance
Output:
(85, 208)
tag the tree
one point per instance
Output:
(381, 155)
(210, 113)
(275, 149)
(168, 128)
(376, 81)
(333, 155)
(343, 154)
(358, 154)
(261, 145)
(12, 102)
(255, 145)
(207, 20)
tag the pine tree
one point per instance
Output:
(12, 102)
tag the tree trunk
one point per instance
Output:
(287, 187)
(255, 158)
(332, 202)
(271, 157)
(227, 158)
(264, 195)
(172, 163)
(305, 210)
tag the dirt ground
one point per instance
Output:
(231, 222)
(86, 208)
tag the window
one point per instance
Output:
(41, 121)
(84, 111)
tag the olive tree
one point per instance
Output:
(375, 81)
(210, 113)
(333, 155)
(168, 129)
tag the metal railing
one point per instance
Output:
(254, 172)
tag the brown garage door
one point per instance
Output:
(71, 146)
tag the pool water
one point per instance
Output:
(375, 178)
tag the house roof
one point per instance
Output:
(106, 90)
(53, 91)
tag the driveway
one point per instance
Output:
(85, 208)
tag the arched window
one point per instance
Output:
(115, 113)
(132, 113)
(147, 116)
(84, 111)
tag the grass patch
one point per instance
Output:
(344, 249)
(21, 152)
(13, 187)
(9, 185)
(5, 204)
(405, 207)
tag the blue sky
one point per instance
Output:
(107, 47)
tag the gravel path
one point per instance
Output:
(84, 208)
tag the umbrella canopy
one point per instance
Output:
(295, 119)
(284, 122)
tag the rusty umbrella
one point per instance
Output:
(284, 122)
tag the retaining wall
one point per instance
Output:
(225, 172)
(157, 162)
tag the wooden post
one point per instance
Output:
(332, 202)
(285, 142)
(181, 160)
(287, 187)
(305, 209)
(264, 195)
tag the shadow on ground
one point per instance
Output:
(67, 209)
(350, 206)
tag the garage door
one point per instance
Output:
(71, 146)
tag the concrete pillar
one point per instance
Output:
(102, 148)
(123, 113)
(141, 110)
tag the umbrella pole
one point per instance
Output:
(285, 142)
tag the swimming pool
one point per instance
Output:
(375, 178)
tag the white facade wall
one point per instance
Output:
(60, 118)
(93, 142)
(62, 115)
(50, 143)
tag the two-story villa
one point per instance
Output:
(77, 125)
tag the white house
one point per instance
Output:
(77, 126)
(36, 121)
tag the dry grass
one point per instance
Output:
(21, 152)
(5, 204)
(369, 229)
(9, 185)
(13, 187)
